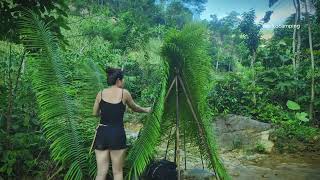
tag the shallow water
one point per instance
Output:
(274, 166)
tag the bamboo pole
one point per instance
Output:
(177, 126)
(174, 80)
(196, 118)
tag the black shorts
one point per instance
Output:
(110, 137)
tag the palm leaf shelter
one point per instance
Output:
(181, 103)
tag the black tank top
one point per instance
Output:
(112, 113)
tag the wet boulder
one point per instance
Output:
(240, 132)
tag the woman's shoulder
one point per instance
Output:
(102, 91)
(107, 89)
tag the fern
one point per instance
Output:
(58, 111)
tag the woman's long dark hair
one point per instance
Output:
(113, 74)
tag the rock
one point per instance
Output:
(197, 174)
(235, 174)
(268, 145)
(131, 134)
(234, 131)
(316, 138)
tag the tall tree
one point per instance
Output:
(251, 30)
(311, 106)
(178, 15)
(296, 36)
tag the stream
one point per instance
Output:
(248, 165)
(304, 166)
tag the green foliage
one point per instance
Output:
(233, 94)
(271, 113)
(28, 153)
(251, 30)
(190, 54)
(187, 50)
(260, 148)
(299, 116)
(293, 137)
(144, 147)
(114, 33)
(302, 116)
(178, 15)
(227, 46)
(270, 59)
(48, 11)
(285, 34)
(279, 82)
(23, 149)
(296, 131)
(57, 110)
(293, 105)
(109, 29)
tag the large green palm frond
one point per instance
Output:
(144, 147)
(89, 79)
(188, 51)
(57, 109)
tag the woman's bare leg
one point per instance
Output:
(103, 159)
(117, 158)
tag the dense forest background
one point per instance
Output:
(273, 79)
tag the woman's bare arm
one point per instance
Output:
(135, 107)
(96, 109)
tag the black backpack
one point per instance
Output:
(161, 170)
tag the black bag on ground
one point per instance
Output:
(161, 170)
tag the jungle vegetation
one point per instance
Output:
(52, 60)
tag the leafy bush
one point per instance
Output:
(234, 94)
(293, 137)
(295, 131)
(23, 148)
(260, 148)
(271, 113)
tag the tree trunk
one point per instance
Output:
(294, 41)
(311, 107)
(253, 60)
(217, 65)
(298, 34)
(10, 95)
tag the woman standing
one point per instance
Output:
(110, 140)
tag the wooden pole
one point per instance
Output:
(174, 80)
(184, 148)
(177, 125)
(169, 138)
(196, 118)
